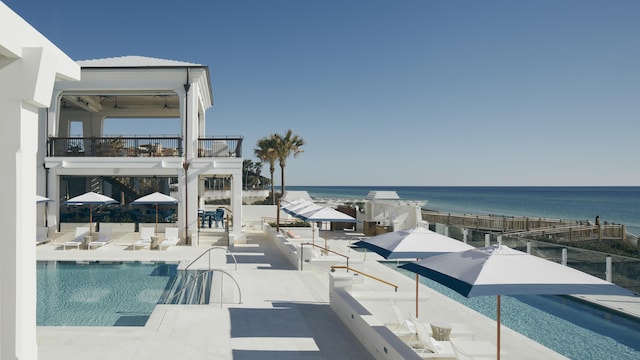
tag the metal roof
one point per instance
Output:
(133, 61)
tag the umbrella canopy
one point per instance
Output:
(293, 202)
(41, 199)
(500, 270)
(324, 213)
(155, 198)
(91, 198)
(415, 243)
(303, 206)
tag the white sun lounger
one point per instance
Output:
(104, 237)
(78, 239)
(402, 326)
(42, 235)
(427, 346)
(145, 237)
(171, 237)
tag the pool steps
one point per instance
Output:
(191, 287)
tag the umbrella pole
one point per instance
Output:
(417, 295)
(498, 323)
(90, 218)
(156, 218)
(325, 238)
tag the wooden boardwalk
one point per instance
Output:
(530, 227)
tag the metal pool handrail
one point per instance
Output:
(208, 251)
(184, 288)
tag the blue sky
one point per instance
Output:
(397, 92)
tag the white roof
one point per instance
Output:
(386, 195)
(133, 61)
(291, 196)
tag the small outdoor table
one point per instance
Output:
(86, 241)
(441, 331)
(155, 243)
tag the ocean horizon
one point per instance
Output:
(613, 204)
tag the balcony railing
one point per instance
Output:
(136, 146)
(220, 147)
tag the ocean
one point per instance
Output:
(619, 205)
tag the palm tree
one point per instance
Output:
(285, 146)
(266, 152)
(257, 174)
(247, 166)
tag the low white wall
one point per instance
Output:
(378, 339)
(253, 215)
(289, 250)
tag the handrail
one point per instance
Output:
(209, 252)
(237, 285)
(323, 248)
(184, 288)
(334, 267)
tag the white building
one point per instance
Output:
(78, 155)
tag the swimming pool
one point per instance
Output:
(100, 293)
(570, 327)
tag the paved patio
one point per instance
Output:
(284, 312)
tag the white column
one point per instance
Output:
(17, 258)
(236, 205)
(27, 74)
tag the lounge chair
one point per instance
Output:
(42, 235)
(78, 239)
(104, 237)
(473, 345)
(145, 237)
(427, 346)
(171, 237)
(402, 327)
(292, 235)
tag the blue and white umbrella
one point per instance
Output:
(41, 199)
(327, 214)
(155, 198)
(91, 198)
(500, 270)
(414, 243)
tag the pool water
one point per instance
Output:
(570, 327)
(99, 293)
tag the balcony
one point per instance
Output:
(137, 146)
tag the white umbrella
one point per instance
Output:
(41, 199)
(291, 204)
(298, 208)
(155, 198)
(500, 270)
(91, 198)
(414, 243)
(325, 214)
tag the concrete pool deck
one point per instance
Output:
(284, 313)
